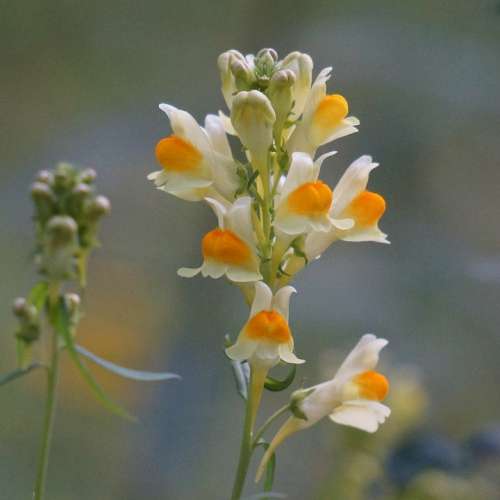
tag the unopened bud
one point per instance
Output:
(97, 208)
(64, 177)
(23, 310)
(268, 53)
(44, 200)
(253, 118)
(280, 92)
(243, 76)
(265, 62)
(228, 84)
(72, 301)
(301, 65)
(88, 176)
(28, 320)
(44, 176)
(61, 230)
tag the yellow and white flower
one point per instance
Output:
(324, 119)
(304, 203)
(351, 201)
(266, 337)
(196, 162)
(230, 249)
(352, 397)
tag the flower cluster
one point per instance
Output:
(275, 214)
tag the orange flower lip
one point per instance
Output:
(224, 246)
(330, 111)
(175, 154)
(312, 198)
(268, 325)
(372, 385)
(366, 209)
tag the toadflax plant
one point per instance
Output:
(67, 215)
(274, 215)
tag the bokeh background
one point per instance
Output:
(80, 81)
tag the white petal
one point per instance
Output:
(291, 224)
(226, 123)
(219, 211)
(177, 182)
(367, 234)
(317, 242)
(186, 127)
(352, 183)
(362, 358)
(281, 300)
(364, 415)
(301, 170)
(239, 220)
(345, 128)
(188, 272)
(319, 161)
(241, 275)
(266, 353)
(242, 349)
(343, 224)
(153, 175)
(213, 269)
(262, 299)
(217, 135)
(225, 177)
(288, 356)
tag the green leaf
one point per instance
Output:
(276, 385)
(38, 295)
(62, 326)
(142, 376)
(266, 495)
(17, 373)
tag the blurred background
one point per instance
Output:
(81, 82)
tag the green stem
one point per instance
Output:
(50, 405)
(268, 422)
(257, 378)
(266, 225)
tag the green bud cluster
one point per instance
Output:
(29, 325)
(67, 213)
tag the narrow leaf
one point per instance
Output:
(263, 496)
(62, 325)
(38, 295)
(17, 373)
(276, 385)
(270, 468)
(126, 372)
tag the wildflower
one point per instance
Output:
(235, 70)
(304, 202)
(352, 201)
(352, 397)
(324, 119)
(230, 249)
(196, 162)
(266, 337)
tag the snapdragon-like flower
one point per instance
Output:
(304, 203)
(196, 162)
(352, 201)
(352, 397)
(230, 249)
(324, 119)
(266, 337)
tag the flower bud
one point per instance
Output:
(265, 61)
(64, 177)
(97, 208)
(301, 65)
(88, 176)
(253, 117)
(44, 200)
(280, 92)
(228, 83)
(61, 230)
(44, 176)
(27, 315)
(243, 75)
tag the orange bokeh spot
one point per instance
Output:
(372, 385)
(312, 198)
(177, 155)
(330, 111)
(366, 209)
(268, 325)
(224, 246)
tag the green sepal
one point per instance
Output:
(38, 295)
(62, 324)
(141, 376)
(276, 385)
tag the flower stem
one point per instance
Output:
(257, 377)
(268, 422)
(50, 405)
